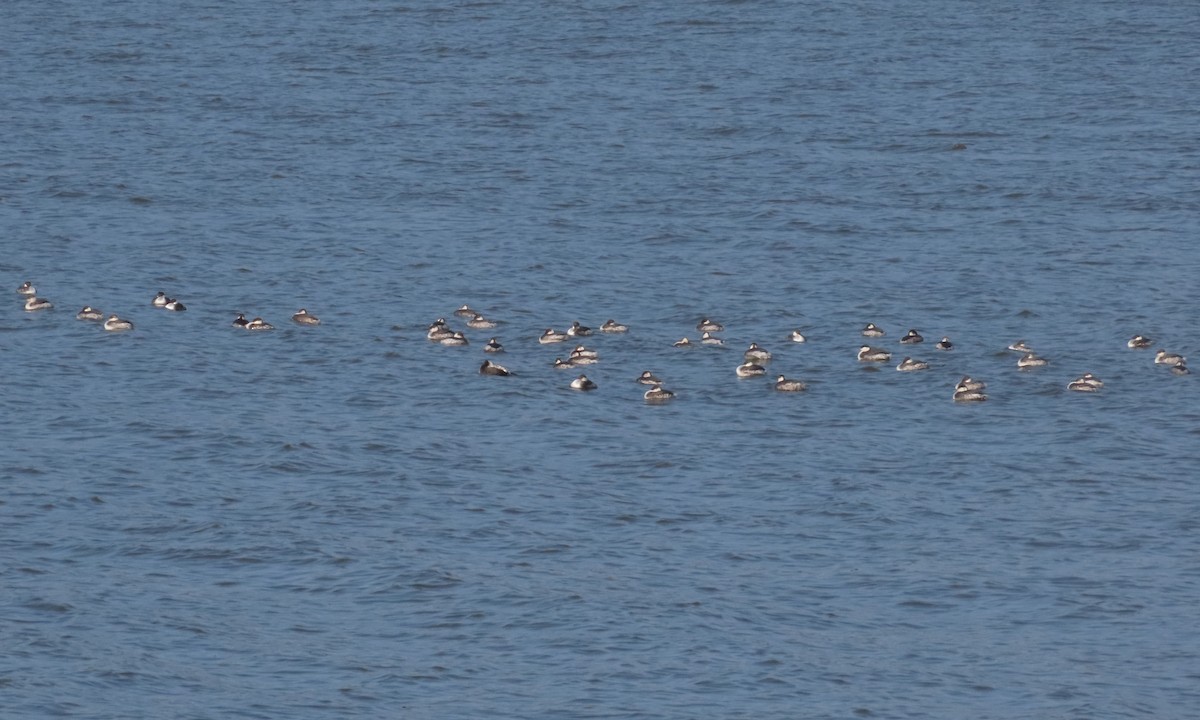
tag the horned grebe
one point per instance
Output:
(749, 369)
(912, 338)
(1161, 357)
(240, 321)
(479, 322)
(303, 317)
(33, 302)
(160, 300)
(683, 342)
(583, 352)
(1029, 360)
(490, 368)
(582, 383)
(456, 339)
(1087, 383)
(754, 352)
(465, 311)
(969, 383)
(782, 384)
(648, 378)
(866, 353)
(707, 325)
(657, 394)
(259, 325)
(612, 326)
(945, 344)
(1180, 369)
(577, 330)
(493, 346)
(710, 339)
(872, 330)
(27, 288)
(1139, 342)
(910, 365)
(552, 336)
(969, 396)
(174, 305)
(116, 324)
(89, 313)
(439, 331)
(1021, 347)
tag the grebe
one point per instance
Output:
(866, 353)
(582, 383)
(490, 368)
(304, 317)
(782, 384)
(116, 324)
(910, 365)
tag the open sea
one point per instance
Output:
(349, 521)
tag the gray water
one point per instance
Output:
(349, 521)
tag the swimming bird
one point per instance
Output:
(577, 330)
(26, 288)
(1020, 346)
(750, 369)
(866, 353)
(1087, 383)
(910, 365)
(582, 383)
(159, 300)
(582, 352)
(1029, 360)
(1161, 357)
(912, 338)
(612, 326)
(174, 305)
(707, 325)
(684, 342)
(872, 330)
(648, 378)
(658, 394)
(116, 324)
(945, 344)
(465, 311)
(552, 336)
(1180, 368)
(969, 383)
(797, 337)
(710, 339)
(33, 302)
(438, 331)
(782, 384)
(304, 317)
(259, 325)
(493, 346)
(969, 396)
(1139, 342)
(490, 368)
(89, 313)
(240, 321)
(479, 322)
(560, 364)
(456, 339)
(756, 353)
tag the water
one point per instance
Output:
(348, 521)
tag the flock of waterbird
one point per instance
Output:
(754, 362)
